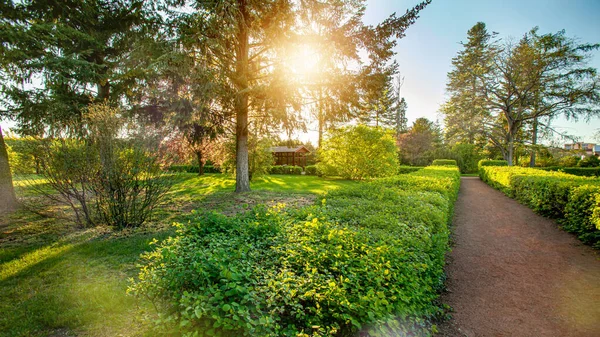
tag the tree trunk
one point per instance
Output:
(8, 199)
(533, 142)
(511, 150)
(200, 163)
(242, 174)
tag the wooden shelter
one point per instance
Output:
(293, 156)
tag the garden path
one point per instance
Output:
(512, 272)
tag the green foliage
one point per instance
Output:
(23, 153)
(569, 161)
(576, 171)
(589, 161)
(368, 257)
(311, 170)
(359, 152)
(581, 214)
(285, 169)
(193, 169)
(409, 169)
(444, 162)
(101, 176)
(489, 162)
(260, 157)
(569, 199)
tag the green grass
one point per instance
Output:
(60, 280)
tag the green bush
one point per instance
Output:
(285, 169)
(489, 162)
(589, 161)
(572, 200)
(311, 170)
(193, 169)
(367, 257)
(409, 169)
(576, 171)
(581, 214)
(444, 162)
(569, 161)
(359, 152)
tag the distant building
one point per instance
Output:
(295, 156)
(590, 149)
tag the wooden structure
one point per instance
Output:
(293, 156)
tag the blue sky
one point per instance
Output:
(425, 53)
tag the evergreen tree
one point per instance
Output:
(466, 112)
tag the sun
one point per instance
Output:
(304, 61)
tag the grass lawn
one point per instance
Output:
(60, 280)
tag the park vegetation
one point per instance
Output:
(574, 201)
(365, 258)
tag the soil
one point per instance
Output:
(514, 273)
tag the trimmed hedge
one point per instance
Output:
(285, 169)
(193, 169)
(367, 257)
(489, 162)
(572, 200)
(409, 169)
(577, 171)
(444, 162)
(311, 170)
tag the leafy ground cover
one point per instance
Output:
(59, 280)
(366, 257)
(573, 200)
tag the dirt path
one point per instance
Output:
(514, 273)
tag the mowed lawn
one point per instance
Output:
(59, 280)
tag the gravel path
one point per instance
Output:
(514, 273)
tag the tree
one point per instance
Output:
(503, 88)
(416, 144)
(247, 42)
(359, 152)
(466, 112)
(8, 199)
(58, 57)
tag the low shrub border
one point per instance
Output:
(284, 169)
(409, 169)
(444, 162)
(571, 200)
(367, 257)
(577, 171)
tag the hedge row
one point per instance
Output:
(444, 162)
(489, 162)
(573, 200)
(193, 169)
(311, 170)
(409, 169)
(367, 257)
(577, 171)
(284, 169)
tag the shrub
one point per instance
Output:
(490, 162)
(408, 169)
(589, 161)
(581, 214)
(359, 152)
(569, 161)
(444, 162)
(364, 258)
(577, 171)
(193, 169)
(311, 170)
(285, 169)
(101, 176)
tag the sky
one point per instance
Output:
(425, 54)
